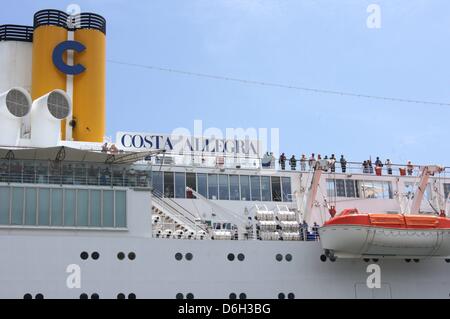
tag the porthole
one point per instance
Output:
(27, 296)
(84, 255)
(131, 256)
(281, 296)
(291, 296)
(95, 255)
(279, 257)
(95, 296)
(179, 296)
(288, 257)
(120, 296)
(84, 296)
(230, 257)
(121, 256)
(241, 257)
(242, 296)
(178, 256)
(189, 256)
(190, 296)
(39, 296)
(131, 296)
(233, 296)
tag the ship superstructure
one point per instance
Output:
(82, 219)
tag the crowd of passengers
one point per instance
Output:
(329, 164)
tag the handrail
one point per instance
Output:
(168, 201)
(85, 20)
(13, 32)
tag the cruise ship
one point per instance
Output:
(161, 216)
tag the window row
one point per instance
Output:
(359, 189)
(61, 207)
(447, 190)
(224, 187)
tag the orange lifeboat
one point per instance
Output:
(352, 234)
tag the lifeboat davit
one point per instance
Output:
(352, 234)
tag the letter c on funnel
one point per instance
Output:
(58, 57)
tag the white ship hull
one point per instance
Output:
(38, 265)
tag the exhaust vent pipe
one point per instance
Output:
(14, 105)
(46, 115)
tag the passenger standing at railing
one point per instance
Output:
(369, 162)
(378, 162)
(282, 161)
(325, 164)
(365, 167)
(272, 161)
(303, 162)
(333, 163)
(389, 166)
(410, 168)
(343, 164)
(293, 162)
(312, 162)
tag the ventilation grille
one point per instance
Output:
(17, 103)
(58, 105)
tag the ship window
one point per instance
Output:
(69, 207)
(189, 256)
(30, 206)
(279, 257)
(157, 182)
(95, 296)
(245, 188)
(44, 207)
(288, 257)
(121, 296)
(132, 256)
(108, 209)
(180, 185)
(132, 296)
(82, 208)
(287, 189)
(96, 209)
(230, 257)
(17, 206)
(291, 296)
(213, 187)
(57, 207)
(28, 296)
(265, 189)
(121, 209)
(350, 188)
(378, 190)
(242, 296)
(95, 255)
(179, 296)
(190, 296)
(178, 256)
(234, 188)
(191, 182)
(255, 182)
(84, 296)
(233, 296)
(411, 189)
(121, 256)
(340, 188)
(168, 185)
(202, 183)
(4, 205)
(241, 257)
(447, 190)
(281, 296)
(276, 189)
(39, 296)
(84, 255)
(224, 191)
